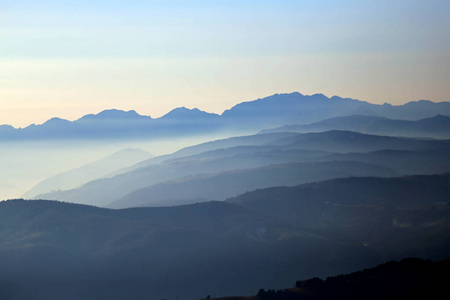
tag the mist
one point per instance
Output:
(23, 164)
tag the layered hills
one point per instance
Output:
(225, 168)
(94, 170)
(371, 141)
(261, 239)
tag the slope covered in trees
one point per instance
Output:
(411, 278)
(266, 238)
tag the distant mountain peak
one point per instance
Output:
(113, 114)
(319, 95)
(56, 121)
(440, 117)
(419, 102)
(437, 118)
(183, 112)
(9, 128)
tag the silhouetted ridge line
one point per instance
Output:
(411, 278)
(251, 116)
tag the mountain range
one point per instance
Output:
(224, 168)
(260, 114)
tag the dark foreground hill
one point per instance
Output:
(387, 215)
(410, 278)
(267, 238)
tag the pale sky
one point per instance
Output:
(69, 58)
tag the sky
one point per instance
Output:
(66, 59)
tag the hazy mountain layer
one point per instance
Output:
(103, 191)
(348, 141)
(287, 148)
(263, 239)
(228, 184)
(95, 170)
(220, 186)
(237, 141)
(275, 110)
(114, 124)
(404, 162)
(435, 127)
(295, 108)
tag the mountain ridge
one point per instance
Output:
(437, 126)
(259, 114)
(410, 278)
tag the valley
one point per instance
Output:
(231, 214)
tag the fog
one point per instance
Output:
(25, 163)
